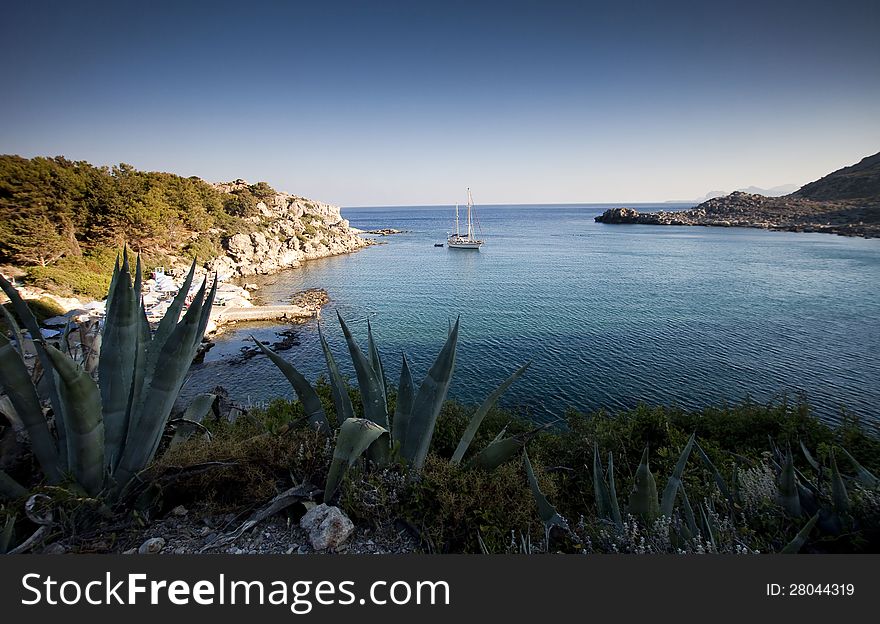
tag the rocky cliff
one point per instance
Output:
(846, 202)
(287, 230)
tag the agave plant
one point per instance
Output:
(409, 431)
(828, 505)
(106, 432)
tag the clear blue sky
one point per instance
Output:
(380, 103)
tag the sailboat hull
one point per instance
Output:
(452, 244)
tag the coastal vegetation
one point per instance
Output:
(61, 221)
(91, 463)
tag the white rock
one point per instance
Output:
(328, 526)
(152, 546)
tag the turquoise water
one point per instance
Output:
(610, 315)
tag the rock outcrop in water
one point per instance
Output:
(288, 230)
(846, 202)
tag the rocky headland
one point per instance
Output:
(287, 230)
(845, 202)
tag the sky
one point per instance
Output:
(409, 103)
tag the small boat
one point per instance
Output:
(438, 244)
(467, 241)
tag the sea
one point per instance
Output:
(610, 316)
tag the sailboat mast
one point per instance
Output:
(457, 232)
(470, 226)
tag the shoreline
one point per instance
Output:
(783, 214)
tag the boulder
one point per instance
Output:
(328, 526)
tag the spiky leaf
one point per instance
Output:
(502, 450)
(17, 384)
(839, 496)
(795, 545)
(406, 394)
(672, 484)
(643, 498)
(787, 485)
(341, 400)
(308, 397)
(150, 415)
(809, 457)
(376, 360)
(370, 383)
(547, 511)
(30, 322)
(355, 436)
(85, 427)
(116, 364)
(474, 424)
(716, 474)
(600, 488)
(616, 516)
(428, 402)
(863, 474)
(195, 412)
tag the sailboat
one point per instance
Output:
(468, 241)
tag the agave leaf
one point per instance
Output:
(612, 490)
(716, 474)
(370, 384)
(809, 457)
(548, 512)
(428, 402)
(85, 427)
(30, 322)
(406, 394)
(207, 306)
(500, 451)
(689, 517)
(474, 424)
(341, 400)
(500, 435)
(108, 300)
(15, 329)
(600, 488)
(788, 488)
(172, 315)
(643, 498)
(734, 479)
(863, 474)
(195, 413)
(376, 359)
(116, 364)
(839, 496)
(668, 502)
(159, 393)
(65, 336)
(711, 529)
(6, 534)
(10, 488)
(23, 397)
(355, 436)
(138, 279)
(310, 400)
(795, 545)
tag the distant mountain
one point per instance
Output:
(776, 191)
(846, 202)
(857, 182)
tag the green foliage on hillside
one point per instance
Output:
(59, 218)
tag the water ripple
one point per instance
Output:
(609, 315)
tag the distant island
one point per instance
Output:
(845, 202)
